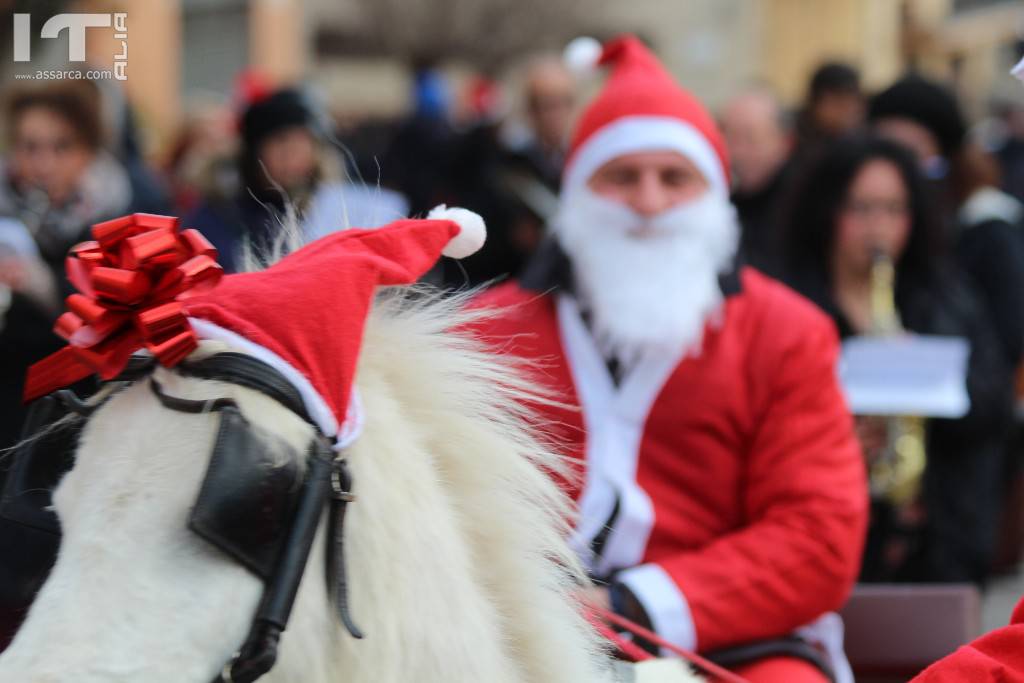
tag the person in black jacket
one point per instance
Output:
(758, 134)
(980, 220)
(866, 194)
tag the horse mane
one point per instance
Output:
(443, 408)
(468, 406)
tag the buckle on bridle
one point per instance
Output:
(341, 481)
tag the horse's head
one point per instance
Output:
(456, 548)
(136, 594)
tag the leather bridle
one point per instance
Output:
(326, 483)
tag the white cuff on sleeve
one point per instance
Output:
(664, 603)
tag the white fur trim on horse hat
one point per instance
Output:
(319, 412)
(472, 231)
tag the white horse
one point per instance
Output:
(458, 565)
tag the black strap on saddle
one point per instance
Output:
(791, 646)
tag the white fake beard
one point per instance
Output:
(649, 284)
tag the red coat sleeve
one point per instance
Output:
(806, 499)
(997, 657)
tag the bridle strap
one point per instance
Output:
(249, 372)
(188, 405)
(74, 404)
(337, 577)
(327, 476)
(259, 652)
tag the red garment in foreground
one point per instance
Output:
(776, 669)
(732, 481)
(996, 657)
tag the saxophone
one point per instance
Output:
(896, 471)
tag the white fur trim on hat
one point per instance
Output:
(472, 231)
(317, 408)
(632, 134)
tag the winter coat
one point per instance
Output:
(725, 490)
(961, 483)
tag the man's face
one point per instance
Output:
(649, 183)
(758, 143)
(551, 97)
(47, 154)
(289, 157)
(647, 237)
(838, 113)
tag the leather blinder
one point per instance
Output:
(249, 495)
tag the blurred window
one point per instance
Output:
(966, 5)
(216, 44)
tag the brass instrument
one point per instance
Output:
(896, 471)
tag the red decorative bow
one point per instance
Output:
(131, 281)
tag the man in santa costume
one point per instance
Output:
(722, 499)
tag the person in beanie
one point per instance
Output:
(284, 164)
(722, 497)
(833, 108)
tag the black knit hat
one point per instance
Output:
(283, 109)
(833, 77)
(927, 103)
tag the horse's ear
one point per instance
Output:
(248, 497)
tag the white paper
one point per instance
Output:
(1018, 71)
(907, 374)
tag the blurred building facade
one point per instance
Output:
(184, 50)
(714, 46)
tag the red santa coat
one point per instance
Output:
(996, 657)
(732, 482)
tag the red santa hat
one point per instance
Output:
(641, 108)
(304, 315)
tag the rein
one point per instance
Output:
(636, 653)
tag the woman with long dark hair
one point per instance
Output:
(861, 199)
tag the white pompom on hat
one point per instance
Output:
(472, 231)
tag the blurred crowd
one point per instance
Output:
(817, 189)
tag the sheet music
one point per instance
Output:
(908, 374)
